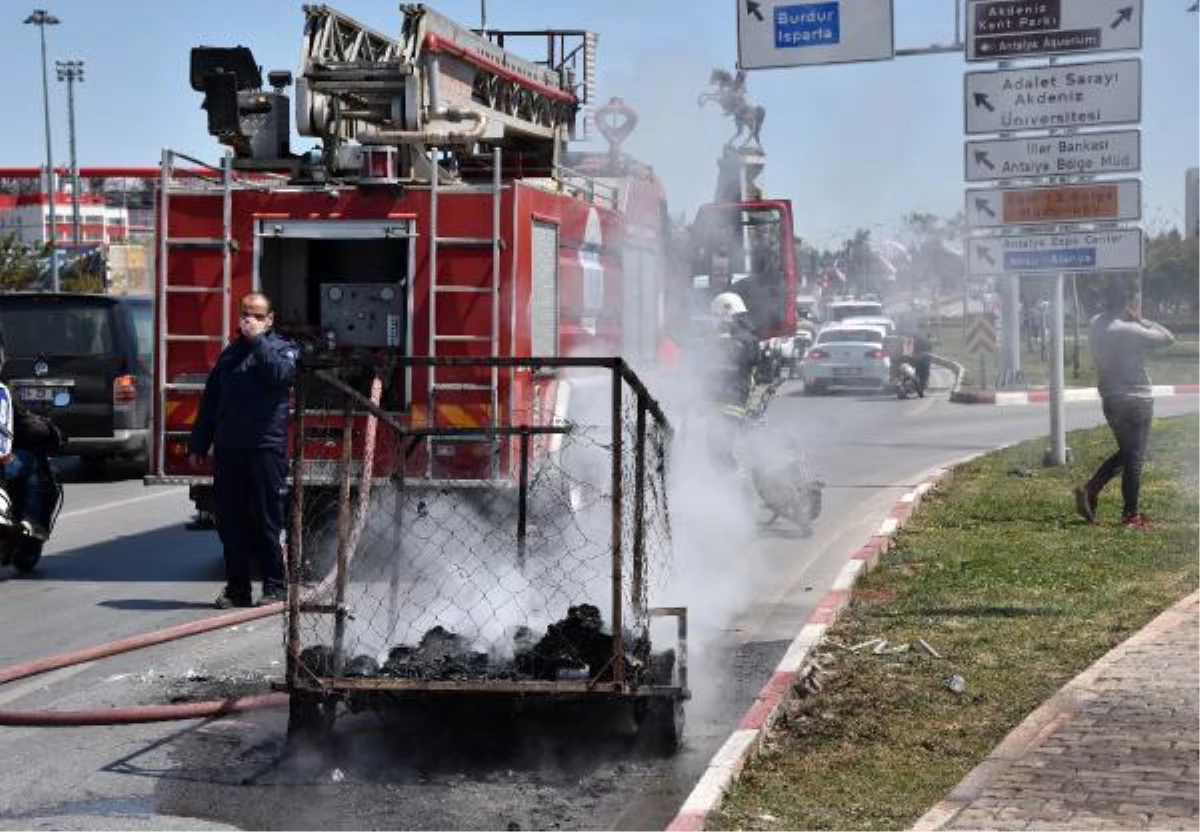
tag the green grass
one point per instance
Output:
(1177, 364)
(1015, 592)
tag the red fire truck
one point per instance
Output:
(441, 216)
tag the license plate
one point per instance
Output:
(39, 394)
(847, 371)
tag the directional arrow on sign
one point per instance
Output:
(981, 158)
(984, 207)
(1123, 15)
(985, 253)
(754, 7)
(981, 100)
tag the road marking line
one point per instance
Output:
(106, 506)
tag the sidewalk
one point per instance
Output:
(1117, 748)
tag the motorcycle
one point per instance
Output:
(778, 469)
(21, 544)
(906, 381)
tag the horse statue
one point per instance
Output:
(730, 95)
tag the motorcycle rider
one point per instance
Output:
(22, 471)
(733, 356)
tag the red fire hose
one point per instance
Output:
(149, 713)
(187, 710)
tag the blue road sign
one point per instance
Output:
(807, 24)
(1072, 251)
(1056, 258)
(782, 33)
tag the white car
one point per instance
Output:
(839, 310)
(849, 356)
(889, 326)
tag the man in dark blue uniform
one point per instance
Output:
(243, 419)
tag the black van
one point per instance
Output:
(85, 361)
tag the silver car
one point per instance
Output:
(846, 356)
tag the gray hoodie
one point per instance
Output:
(1119, 347)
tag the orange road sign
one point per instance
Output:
(992, 207)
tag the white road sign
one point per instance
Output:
(1083, 154)
(1076, 251)
(1002, 29)
(777, 33)
(1058, 204)
(1053, 97)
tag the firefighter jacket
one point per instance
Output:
(245, 403)
(731, 376)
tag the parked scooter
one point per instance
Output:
(20, 541)
(906, 381)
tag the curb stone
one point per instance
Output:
(1070, 394)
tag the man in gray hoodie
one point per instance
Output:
(1118, 339)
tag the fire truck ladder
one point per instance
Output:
(172, 284)
(438, 337)
(439, 83)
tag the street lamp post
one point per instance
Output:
(42, 18)
(72, 71)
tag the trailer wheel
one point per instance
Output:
(310, 718)
(660, 722)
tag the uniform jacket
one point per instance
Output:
(734, 357)
(245, 403)
(34, 432)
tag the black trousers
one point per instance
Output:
(249, 485)
(1129, 419)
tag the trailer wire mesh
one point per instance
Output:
(533, 572)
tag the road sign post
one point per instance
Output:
(1062, 100)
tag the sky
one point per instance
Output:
(852, 145)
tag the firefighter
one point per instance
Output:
(732, 359)
(243, 420)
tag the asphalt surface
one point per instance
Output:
(121, 564)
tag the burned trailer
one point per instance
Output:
(527, 587)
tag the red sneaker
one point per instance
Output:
(1136, 521)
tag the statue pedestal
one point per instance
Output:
(738, 171)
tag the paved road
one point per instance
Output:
(121, 564)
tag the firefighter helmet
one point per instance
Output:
(727, 306)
